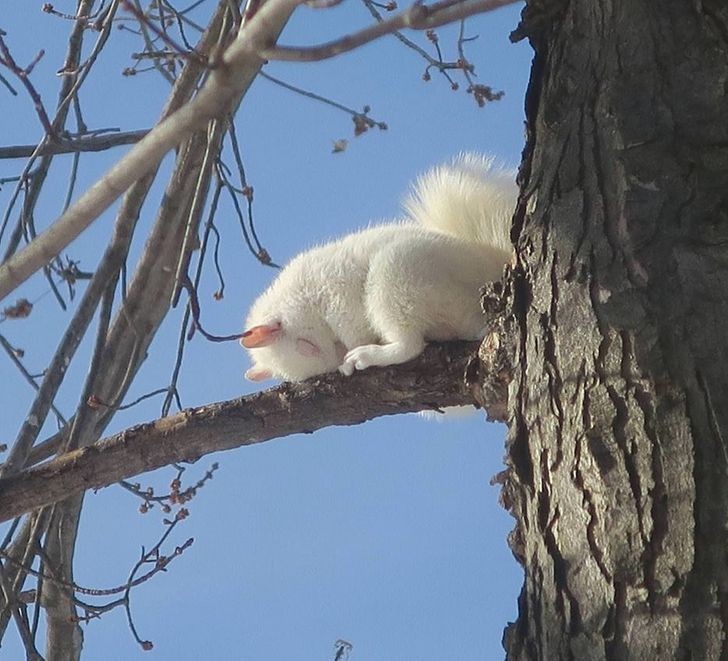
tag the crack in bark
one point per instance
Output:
(614, 631)
(712, 416)
(550, 326)
(619, 429)
(518, 438)
(594, 521)
(659, 512)
(561, 569)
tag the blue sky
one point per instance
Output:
(387, 534)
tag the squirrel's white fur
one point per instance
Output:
(377, 296)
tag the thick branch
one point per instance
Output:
(435, 379)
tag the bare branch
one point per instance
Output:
(416, 17)
(73, 74)
(12, 353)
(435, 379)
(21, 619)
(99, 592)
(92, 142)
(230, 77)
(481, 93)
(176, 495)
(23, 75)
(437, 63)
(172, 389)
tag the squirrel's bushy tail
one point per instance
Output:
(470, 198)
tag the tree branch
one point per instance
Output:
(92, 142)
(437, 378)
(416, 17)
(231, 75)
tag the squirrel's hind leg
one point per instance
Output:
(424, 285)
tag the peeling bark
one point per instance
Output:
(619, 402)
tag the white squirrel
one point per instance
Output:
(377, 296)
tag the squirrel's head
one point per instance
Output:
(291, 352)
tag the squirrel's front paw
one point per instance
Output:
(347, 369)
(360, 358)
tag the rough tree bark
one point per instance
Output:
(619, 402)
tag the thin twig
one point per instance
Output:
(92, 142)
(23, 75)
(98, 592)
(359, 117)
(172, 391)
(13, 355)
(145, 27)
(73, 76)
(160, 565)
(20, 617)
(194, 303)
(144, 22)
(246, 190)
(481, 93)
(431, 61)
(220, 291)
(176, 495)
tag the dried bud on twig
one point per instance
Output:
(22, 309)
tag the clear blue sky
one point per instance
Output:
(388, 534)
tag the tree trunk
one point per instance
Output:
(619, 401)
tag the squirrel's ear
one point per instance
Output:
(261, 336)
(258, 374)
